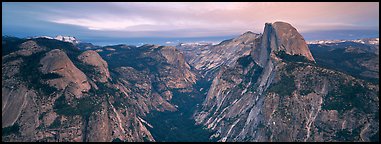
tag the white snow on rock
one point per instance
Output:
(67, 39)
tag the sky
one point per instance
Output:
(168, 22)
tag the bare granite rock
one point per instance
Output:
(92, 58)
(57, 62)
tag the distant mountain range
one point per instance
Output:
(371, 41)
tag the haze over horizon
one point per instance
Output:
(166, 23)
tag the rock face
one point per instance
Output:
(92, 58)
(278, 93)
(290, 40)
(280, 36)
(211, 58)
(73, 80)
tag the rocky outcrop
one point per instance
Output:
(73, 80)
(92, 58)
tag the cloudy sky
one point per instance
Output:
(165, 20)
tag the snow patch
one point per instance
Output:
(69, 39)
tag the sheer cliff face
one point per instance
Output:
(280, 36)
(51, 91)
(290, 40)
(280, 94)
